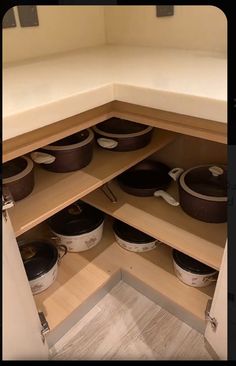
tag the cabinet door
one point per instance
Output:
(21, 325)
(217, 336)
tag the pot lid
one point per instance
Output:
(39, 257)
(206, 181)
(130, 234)
(76, 219)
(190, 264)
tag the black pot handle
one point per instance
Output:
(64, 249)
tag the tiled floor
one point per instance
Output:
(125, 325)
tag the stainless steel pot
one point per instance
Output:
(41, 258)
(122, 135)
(18, 177)
(68, 154)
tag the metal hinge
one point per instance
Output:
(45, 327)
(209, 318)
(7, 201)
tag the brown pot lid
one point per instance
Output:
(200, 182)
(39, 256)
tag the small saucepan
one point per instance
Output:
(122, 135)
(18, 177)
(68, 154)
(41, 259)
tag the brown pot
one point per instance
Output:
(18, 177)
(122, 135)
(68, 154)
(203, 193)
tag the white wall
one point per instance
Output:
(61, 28)
(191, 27)
(64, 28)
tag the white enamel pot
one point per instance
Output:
(80, 243)
(41, 259)
(192, 272)
(79, 226)
(132, 239)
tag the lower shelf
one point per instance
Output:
(171, 225)
(83, 274)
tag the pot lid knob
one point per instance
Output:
(216, 171)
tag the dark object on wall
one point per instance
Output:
(9, 20)
(28, 15)
(165, 10)
(18, 177)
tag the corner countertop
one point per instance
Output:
(42, 91)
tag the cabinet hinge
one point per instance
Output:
(45, 327)
(7, 201)
(208, 317)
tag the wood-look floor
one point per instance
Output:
(125, 325)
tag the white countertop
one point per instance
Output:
(43, 91)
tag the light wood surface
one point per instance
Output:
(188, 125)
(193, 126)
(43, 136)
(125, 325)
(54, 191)
(202, 241)
(81, 274)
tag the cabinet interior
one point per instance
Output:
(82, 274)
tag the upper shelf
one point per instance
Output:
(54, 191)
(43, 91)
(171, 225)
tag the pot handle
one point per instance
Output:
(42, 158)
(64, 249)
(175, 173)
(107, 143)
(216, 171)
(167, 197)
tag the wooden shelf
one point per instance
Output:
(54, 191)
(188, 125)
(82, 274)
(202, 241)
